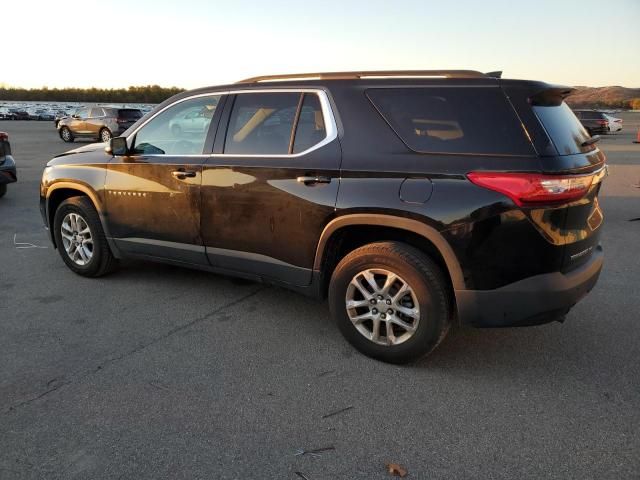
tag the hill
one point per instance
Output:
(605, 97)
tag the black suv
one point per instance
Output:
(594, 122)
(410, 199)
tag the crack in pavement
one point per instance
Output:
(112, 360)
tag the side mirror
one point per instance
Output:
(117, 147)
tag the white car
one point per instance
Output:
(615, 124)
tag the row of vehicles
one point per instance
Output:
(597, 122)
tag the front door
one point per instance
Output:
(153, 193)
(271, 185)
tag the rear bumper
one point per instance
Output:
(7, 170)
(532, 301)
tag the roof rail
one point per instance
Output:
(367, 74)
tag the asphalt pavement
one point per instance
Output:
(157, 372)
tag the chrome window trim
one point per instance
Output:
(330, 123)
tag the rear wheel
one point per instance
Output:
(390, 301)
(3, 190)
(66, 135)
(105, 135)
(80, 238)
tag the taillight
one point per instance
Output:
(4, 136)
(602, 122)
(531, 189)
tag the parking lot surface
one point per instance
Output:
(156, 372)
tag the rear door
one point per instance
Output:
(153, 194)
(272, 183)
(95, 121)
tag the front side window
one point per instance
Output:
(452, 120)
(174, 131)
(82, 113)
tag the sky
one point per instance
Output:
(194, 43)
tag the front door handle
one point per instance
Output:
(314, 180)
(182, 174)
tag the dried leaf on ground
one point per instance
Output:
(397, 470)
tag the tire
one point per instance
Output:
(105, 135)
(3, 190)
(66, 135)
(100, 261)
(428, 291)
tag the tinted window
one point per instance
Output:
(171, 134)
(452, 120)
(310, 129)
(564, 129)
(97, 112)
(129, 114)
(261, 123)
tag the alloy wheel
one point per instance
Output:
(382, 306)
(77, 239)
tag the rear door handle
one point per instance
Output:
(181, 174)
(314, 180)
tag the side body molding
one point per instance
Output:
(430, 233)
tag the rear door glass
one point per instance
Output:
(473, 120)
(310, 129)
(564, 129)
(261, 124)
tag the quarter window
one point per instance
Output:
(452, 120)
(179, 130)
(310, 129)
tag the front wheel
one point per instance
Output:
(66, 135)
(80, 238)
(105, 135)
(390, 301)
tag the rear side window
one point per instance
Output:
(261, 123)
(564, 129)
(274, 124)
(97, 112)
(453, 120)
(129, 113)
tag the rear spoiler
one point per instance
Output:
(551, 97)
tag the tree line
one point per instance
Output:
(133, 94)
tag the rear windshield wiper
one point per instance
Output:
(590, 141)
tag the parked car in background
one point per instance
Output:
(194, 120)
(100, 123)
(594, 122)
(8, 172)
(410, 199)
(19, 114)
(615, 124)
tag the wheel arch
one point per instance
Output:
(61, 191)
(360, 229)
